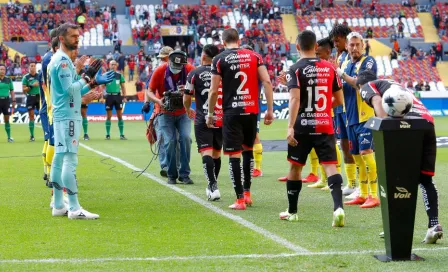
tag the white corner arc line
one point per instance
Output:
(202, 257)
(235, 218)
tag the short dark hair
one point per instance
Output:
(54, 43)
(248, 47)
(339, 30)
(63, 29)
(210, 50)
(325, 42)
(2, 64)
(306, 40)
(365, 77)
(32, 62)
(230, 35)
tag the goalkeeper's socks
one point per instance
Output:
(235, 176)
(362, 174)
(258, 155)
(120, 126)
(31, 127)
(217, 163)
(56, 178)
(248, 168)
(69, 180)
(335, 183)
(108, 124)
(350, 171)
(85, 125)
(293, 188)
(8, 129)
(369, 159)
(209, 165)
(314, 162)
(339, 158)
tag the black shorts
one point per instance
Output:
(114, 101)
(207, 138)
(33, 102)
(324, 145)
(84, 106)
(429, 153)
(239, 131)
(4, 105)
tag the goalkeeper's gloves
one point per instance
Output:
(92, 70)
(102, 79)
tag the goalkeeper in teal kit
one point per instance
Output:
(66, 92)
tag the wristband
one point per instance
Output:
(86, 78)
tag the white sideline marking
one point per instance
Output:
(238, 219)
(186, 258)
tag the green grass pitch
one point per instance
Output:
(145, 226)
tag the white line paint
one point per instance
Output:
(238, 219)
(186, 258)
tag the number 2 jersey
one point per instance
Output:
(379, 87)
(198, 84)
(238, 69)
(317, 80)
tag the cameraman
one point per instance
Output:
(172, 77)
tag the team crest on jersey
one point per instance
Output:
(74, 142)
(369, 64)
(64, 65)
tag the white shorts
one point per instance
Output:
(66, 136)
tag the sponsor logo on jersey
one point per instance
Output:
(304, 122)
(402, 193)
(365, 141)
(383, 192)
(318, 122)
(404, 124)
(233, 58)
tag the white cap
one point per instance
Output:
(354, 34)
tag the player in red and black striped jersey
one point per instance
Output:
(240, 70)
(371, 92)
(209, 140)
(315, 89)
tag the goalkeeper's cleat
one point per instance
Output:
(283, 179)
(59, 212)
(257, 173)
(310, 178)
(247, 199)
(10, 140)
(354, 194)
(381, 235)
(433, 234)
(82, 214)
(371, 202)
(293, 217)
(86, 137)
(319, 184)
(238, 205)
(107, 137)
(32, 139)
(357, 201)
(212, 195)
(122, 137)
(348, 190)
(326, 188)
(338, 218)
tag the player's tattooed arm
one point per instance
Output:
(378, 106)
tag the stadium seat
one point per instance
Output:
(432, 86)
(369, 22)
(441, 87)
(107, 42)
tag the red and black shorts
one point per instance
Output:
(324, 145)
(207, 138)
(239, 131)
(429, 153)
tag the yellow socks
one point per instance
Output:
(258, 155)
(362, 175)
(44, 151)
(339, 157)
(314, 162)
(49, 156)
(369, 159)
(350, 171)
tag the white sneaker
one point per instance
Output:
(212, 196)
(65, 197)
(82, 214)
(289, 216)
(353, 195)
(435, 233)
(60, 212)
(348, 190)
(338, 218)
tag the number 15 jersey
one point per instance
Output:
(317, 80)
(238, 69)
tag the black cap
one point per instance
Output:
(177, 59)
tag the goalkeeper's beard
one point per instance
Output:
(69, 46)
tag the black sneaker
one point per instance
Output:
(32, 139)
(164, 173)
(122, 137)
(86, 137)
(107, 137)
(171, 181)
(186, 180)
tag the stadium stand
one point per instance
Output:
(440, 18)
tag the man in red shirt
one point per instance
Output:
(169, 78)
(131, 65)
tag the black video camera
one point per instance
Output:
(173, 100)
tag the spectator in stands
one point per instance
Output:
(113, 11)
(121, 63)
(72, 4)
(439, 51)
(81, 20)
(369, 33)
(433, 59)
(393, 55)
(82, 6)
(400, 27)
(413, 51)
(131, 66)
(367, 47)
(396, 46)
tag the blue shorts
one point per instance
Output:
(360, 138)
(340, 125)
(44, 123)
(258, 122)
(50, 134)
(66, 136)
